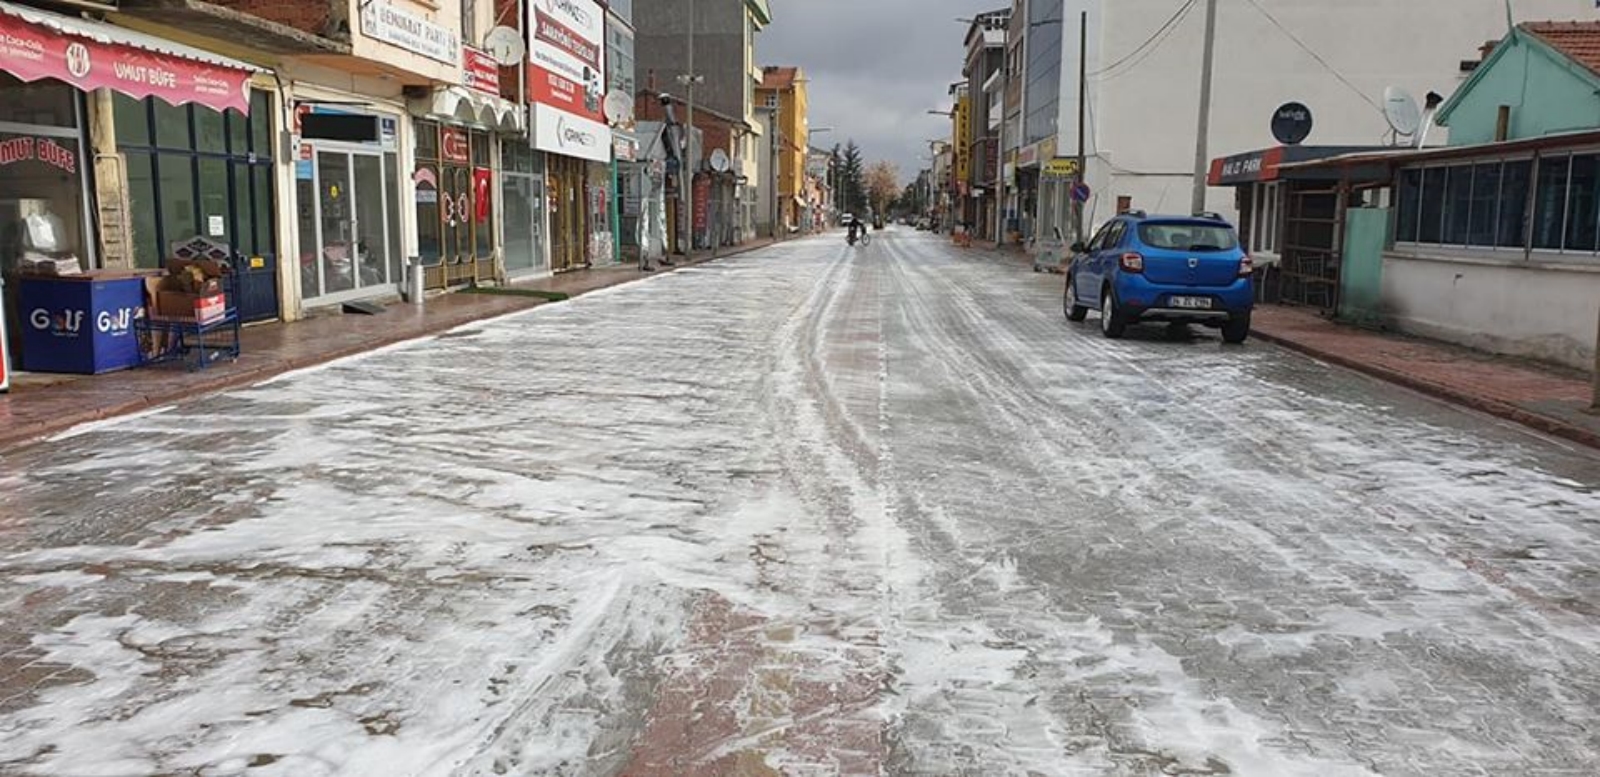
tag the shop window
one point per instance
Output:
(1431, 228)
(1550, 203)
(1457, 204)
(1513, 229)
(1583, 195)
(1408, 216)
(45, 103)
(1484, 204)
(391, 167)
(201, 173)
(131, 120)
(171, 123)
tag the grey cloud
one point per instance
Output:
(875, 68)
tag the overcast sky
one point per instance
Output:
(875, 68)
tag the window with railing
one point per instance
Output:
(1550, 203)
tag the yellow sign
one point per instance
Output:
(1061, 167)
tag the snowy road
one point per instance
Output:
(809, 511)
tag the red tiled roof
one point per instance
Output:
(1579, 41)
(779, 77)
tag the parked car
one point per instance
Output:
(1173, 269)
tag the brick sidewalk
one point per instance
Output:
(40, 405)
(1547, 399)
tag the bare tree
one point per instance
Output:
(883, 185)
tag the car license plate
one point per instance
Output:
(1190, 303)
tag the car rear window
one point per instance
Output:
(1188, 236)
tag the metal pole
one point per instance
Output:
(1000, 151)
(1083, 123)
(1203, 129)
(690, 163)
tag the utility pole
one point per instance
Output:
(686, 192)
(1083, 123)
(1201, 161)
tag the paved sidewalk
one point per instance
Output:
(1548, 399)
(41, 405)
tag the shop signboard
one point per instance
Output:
(403, 29)
(34, 51)
(569, 135)
(80, 325)
(479, 71)
(963, 138)
(567, 76)
(1060, 167)
(453, 146)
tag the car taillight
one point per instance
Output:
(1133, 262)
(1246, 267)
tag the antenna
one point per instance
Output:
(1400, 109)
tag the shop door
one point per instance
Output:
(1313, 229)
(456, 203)
(348, 223)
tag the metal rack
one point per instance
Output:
(166, 339)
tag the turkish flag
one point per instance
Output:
(482, 185)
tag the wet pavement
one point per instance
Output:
(807, 511)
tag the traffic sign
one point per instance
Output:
(1080, 192)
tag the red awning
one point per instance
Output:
(37, 44)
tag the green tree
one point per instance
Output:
(852, 179)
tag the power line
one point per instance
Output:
(1162, 32)
(1314, 55)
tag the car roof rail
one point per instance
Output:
(1212, 215)
(1138, 214)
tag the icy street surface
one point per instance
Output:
(809, 511)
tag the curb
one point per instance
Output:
(14, 438)
(1542, 423)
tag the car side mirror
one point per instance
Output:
(1079, 247)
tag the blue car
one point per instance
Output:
(1172, 269)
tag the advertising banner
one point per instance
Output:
(566, 74)
(569, 135)
(34, 51)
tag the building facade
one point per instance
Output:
(1143, 61)
(782, 95)
(984, 71)
(726, 77)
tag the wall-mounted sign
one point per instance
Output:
(565, 46)
(563, 133)
(453, 146)
(1291, 123)
(479, 71)
(1060, 167)
(404, 29)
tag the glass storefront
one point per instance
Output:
(454, 190)
(43, 183)
(194, 172)
(348, 215)
(523, 202)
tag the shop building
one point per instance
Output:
(1142, 96)
(566, 92)
(70, 89)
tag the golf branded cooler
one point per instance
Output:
(80, 324)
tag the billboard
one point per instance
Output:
(566, 57)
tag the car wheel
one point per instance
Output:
(1112, 321)
(1236, 330)
(1074, 310)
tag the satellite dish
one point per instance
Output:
(618, 109)
(505, 46)
(720, 161)
(1400, 108)
(1291, 123)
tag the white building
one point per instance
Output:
(1143, 71)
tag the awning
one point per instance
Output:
(37, 44)
(471, 107)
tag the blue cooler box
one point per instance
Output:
(79, 324)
